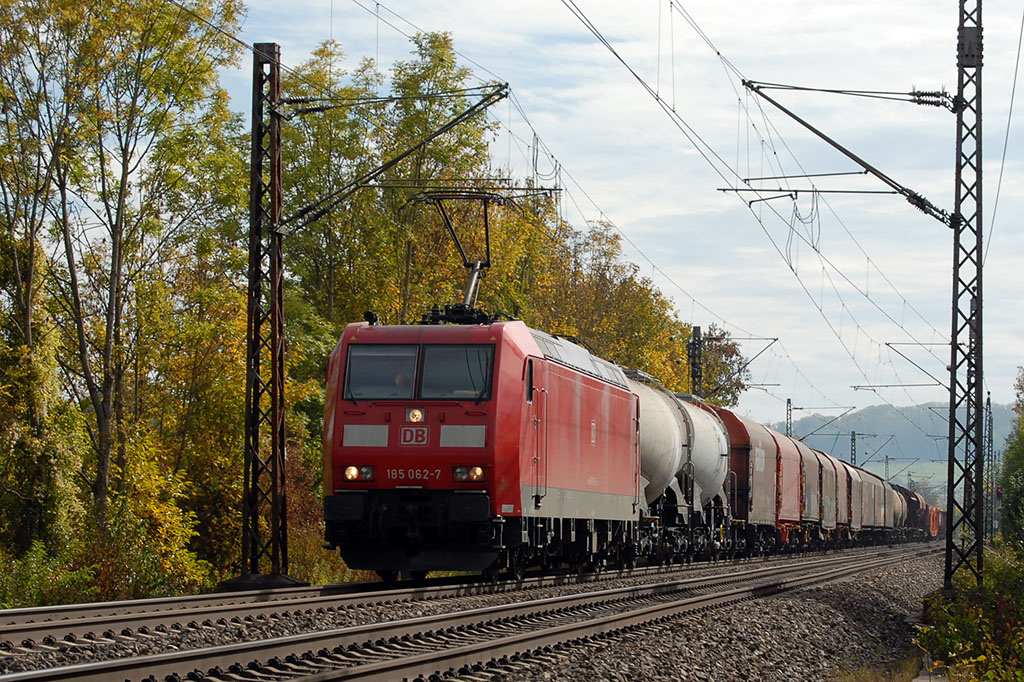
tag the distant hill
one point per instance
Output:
(919, 433)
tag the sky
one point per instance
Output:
(856, 288)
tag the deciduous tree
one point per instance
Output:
(115, 208)
(1012, 479)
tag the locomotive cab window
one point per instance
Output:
(380, 372)
(529, 381)
(457, 372)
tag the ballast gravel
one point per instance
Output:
(814, 634)
(807, 635)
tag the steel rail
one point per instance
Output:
(229, 656)
(424, 665)
(70, 621)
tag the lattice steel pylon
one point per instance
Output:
(695, 354)
(990, 471)
(264, 515)
(965, 518)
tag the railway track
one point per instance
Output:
(420, 647)
(22, 630)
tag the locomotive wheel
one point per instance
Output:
(388, 576)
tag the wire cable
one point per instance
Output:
(707, 153)
(1006, 140)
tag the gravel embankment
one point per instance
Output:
(808, 635)
(821, 628)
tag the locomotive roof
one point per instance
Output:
(566, 352)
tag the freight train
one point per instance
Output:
(494, 447)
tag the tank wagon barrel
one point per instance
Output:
(681, 446)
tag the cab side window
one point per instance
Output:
(529, 380)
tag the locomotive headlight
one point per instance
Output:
(468, 474)
(414, 415)
(363, 473)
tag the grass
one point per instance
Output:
(903, 670)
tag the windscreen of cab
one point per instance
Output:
(427, 372)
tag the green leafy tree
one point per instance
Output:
(116, 210)
(1012, 479)
(47, 53)
(324, 150)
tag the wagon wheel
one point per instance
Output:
(578, 565)
(628, 559)
(517, 564)
(491, 573)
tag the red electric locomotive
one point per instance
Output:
(475, 447)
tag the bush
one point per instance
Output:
(40, 578)
(131, 563)
(979, 632)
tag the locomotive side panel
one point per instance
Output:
(585, 468)
(330, 415)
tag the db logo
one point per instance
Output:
(413, 435)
